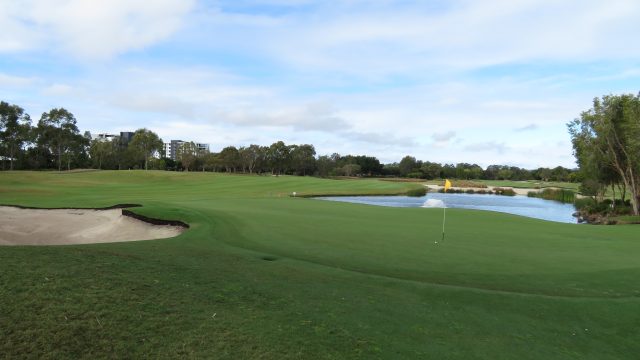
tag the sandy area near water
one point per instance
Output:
(518, 191)
(75, 226)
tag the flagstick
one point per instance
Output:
(444, 218)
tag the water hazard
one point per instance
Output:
(518, 205)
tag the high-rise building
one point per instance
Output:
(171, 148)
(202, 147)
(125, 138)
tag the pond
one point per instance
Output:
(518, 205)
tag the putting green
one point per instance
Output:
(263, 275)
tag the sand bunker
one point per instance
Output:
(75, 226)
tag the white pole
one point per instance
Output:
(444, 218)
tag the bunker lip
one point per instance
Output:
(21, 225)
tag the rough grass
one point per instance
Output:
(263, 275)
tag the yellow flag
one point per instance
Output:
(447, 185)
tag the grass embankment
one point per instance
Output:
(263, 275)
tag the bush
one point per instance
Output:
(504, 191)
(468, 184)
(584, 203)
(417, 192)
(561, 195)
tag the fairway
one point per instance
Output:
(264, 275)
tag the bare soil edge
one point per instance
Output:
(125, 212)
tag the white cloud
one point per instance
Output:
(396, 37)
(444, 136)
(529, 127)
(89, 29)
(57, 90)
(17, 81)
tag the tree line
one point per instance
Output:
(606, 143)
(55, 142)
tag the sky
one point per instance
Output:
(486, 82)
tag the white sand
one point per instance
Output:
(75, 226)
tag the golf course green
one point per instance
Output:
(264, 275)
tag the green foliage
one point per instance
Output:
(15, 126)
(504, 191)
(417, 192)
(561, 195)
(145, 143)
(606, 142)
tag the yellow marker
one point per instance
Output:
(447, 185)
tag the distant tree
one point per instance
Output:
(406, 165)
(230, 158)
(430, 170)
(303, 159)
(211, 161)
(251, 157)
(77, 151)
(350, 170)
(325, 165)
(101, 151)
(15, 127)
(278, 157)
(57, 132)
(145, 143)
(187, 154)
(369, 165)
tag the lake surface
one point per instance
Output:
(518, 205)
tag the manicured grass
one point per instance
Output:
(261, 274)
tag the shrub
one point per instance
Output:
(561, 195)
(584, 203)
(468, 184)
(504, 191)
(417, 192)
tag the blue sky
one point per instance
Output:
(491, 82)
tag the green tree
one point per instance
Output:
(15, 127)
(406, 165)
(145, 143)
(101, 151)
(230, 158)
(187, 154)
(303, 159)
(58, 133)
(608, 135)
(278, 157)
(252, 157)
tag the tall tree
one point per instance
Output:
(303, 159)
(407, 164)
(57, 131)
(608, 134)
(187, 154)
(101, 151)
(251, 157)
(230, 158)
(15, 126)
(146, 143)
(278, 157)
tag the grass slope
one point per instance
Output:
(263, 275)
